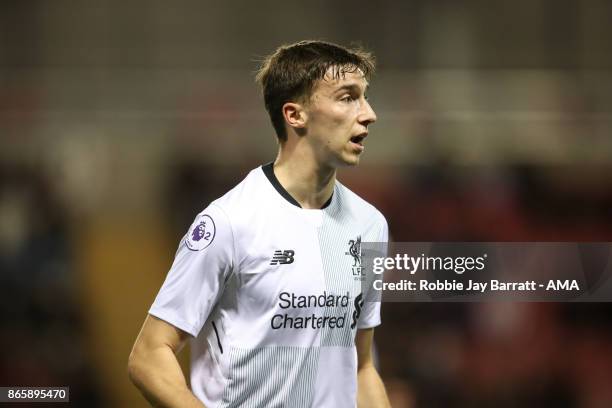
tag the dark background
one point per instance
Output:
(119, 121)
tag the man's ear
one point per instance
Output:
(294, 115)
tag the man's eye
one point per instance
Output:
(347, 98)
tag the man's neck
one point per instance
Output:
(309, 183)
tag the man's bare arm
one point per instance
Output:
(370, 388)
(153, 366)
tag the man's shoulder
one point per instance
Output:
(245, 201)
(245, 197)
(361, 208)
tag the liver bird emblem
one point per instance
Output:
(355, 250)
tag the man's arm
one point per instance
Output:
(370, 388)
(153, 366)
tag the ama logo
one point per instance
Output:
(201, 233)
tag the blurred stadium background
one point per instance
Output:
(119, 121)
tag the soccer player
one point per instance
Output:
(267, 282)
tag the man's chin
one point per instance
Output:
(350, 161)
(345, 160)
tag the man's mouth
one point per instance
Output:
(357, 142)
(358, 139)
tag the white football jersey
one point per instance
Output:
(273, 295)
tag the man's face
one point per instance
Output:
(338, 115)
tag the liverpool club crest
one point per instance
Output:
(355, 252)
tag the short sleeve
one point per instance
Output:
(202, 265)
(370, 313)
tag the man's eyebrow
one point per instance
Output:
(351, 87)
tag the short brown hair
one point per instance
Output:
(292, 70)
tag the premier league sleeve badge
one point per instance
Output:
(201, 233)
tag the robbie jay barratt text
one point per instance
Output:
(493, 285)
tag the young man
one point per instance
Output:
(266, 282)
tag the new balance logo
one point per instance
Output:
(282, 257)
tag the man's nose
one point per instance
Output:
(367, 114)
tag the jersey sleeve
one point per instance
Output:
(370, 313)
(203, 263)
